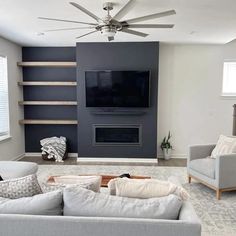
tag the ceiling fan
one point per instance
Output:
(109, 26)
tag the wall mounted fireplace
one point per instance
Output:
(113, 135)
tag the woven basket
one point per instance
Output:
(45, 157)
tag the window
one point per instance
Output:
(229, 79)
(4, 108)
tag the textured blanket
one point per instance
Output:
(55, 147)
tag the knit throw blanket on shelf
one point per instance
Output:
(55, 147)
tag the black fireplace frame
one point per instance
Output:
(138, 126)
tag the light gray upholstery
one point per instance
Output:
(198, 165)
(15, 169)
(205, 166)
(226, 171)
(200, 151)
(84, 202)
(15, 225)
(40, 204)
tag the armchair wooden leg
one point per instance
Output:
(189, 179)
(218, 194)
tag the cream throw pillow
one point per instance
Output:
(145, 188)
(225, 145)
(91, 182)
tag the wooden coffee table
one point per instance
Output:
(105, 178)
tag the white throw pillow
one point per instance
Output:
(83, 202)
(90, 182)
(20, 187)
(225, 145)
(41, 204)
(145, 188)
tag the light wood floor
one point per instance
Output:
(73, 161)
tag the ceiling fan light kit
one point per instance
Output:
(109, 26)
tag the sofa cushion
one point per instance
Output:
(16, 169)
(225, 145)
(41, 204)
(83, 202)
(145, 188)
(20, 187)
(205, 166)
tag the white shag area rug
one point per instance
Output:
(218, 217)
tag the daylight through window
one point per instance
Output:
(4, 109)
(229, 79)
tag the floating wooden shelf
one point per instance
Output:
(47, 83)
(48, 122)
(48, 64)
(48, 103)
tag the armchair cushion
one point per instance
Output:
(225, 145)
(205, 166)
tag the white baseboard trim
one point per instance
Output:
(175, 156)
(97, 159)
(39, 154)
(18, 157)
(117, 160)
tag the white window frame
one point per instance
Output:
(6, 135)
(223, 93)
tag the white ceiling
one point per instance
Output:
(196, 21)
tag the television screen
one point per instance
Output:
(117, 88)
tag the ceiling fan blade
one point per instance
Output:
(123, 11)
(70, 21)
(86, 34)
(85, 11)
(64, 29)
(111, 38)
(125, 30)
(158, 26)
(150, 17)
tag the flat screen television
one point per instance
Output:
(117, 88)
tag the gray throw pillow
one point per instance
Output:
(20, 187)
(83, 202)
(41, 204)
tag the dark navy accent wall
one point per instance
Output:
(33, 133)
(117, 56)
(48, 54)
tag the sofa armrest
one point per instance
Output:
(187, 213)
(189, 217)
(200, 151)
(225, 171)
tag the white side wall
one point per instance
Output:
(13, 147)
(190, 105)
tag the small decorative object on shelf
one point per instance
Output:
(166, 147)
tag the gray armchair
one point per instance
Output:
(218, 174)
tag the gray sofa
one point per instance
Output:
(28, 225)
(17, 169)
(37, 225)
(218, 174)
